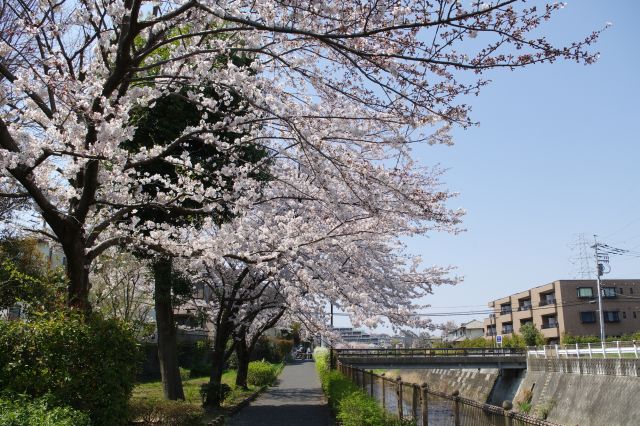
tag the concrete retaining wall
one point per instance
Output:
(473, 383)
(585, 391)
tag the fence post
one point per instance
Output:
(371, 382)
(590, 354)
(384, 400)
(399, 396)
(456, 407)
(414, 402)
(635, 348)
(507, 406)
(618, 346)
(577, 350)
(425, 404)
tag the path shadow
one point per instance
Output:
(282, 415)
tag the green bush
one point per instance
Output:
(531, 335)
(39, 412)
(272, 349)
(352, 406)
(167, 413)
(208, 390)
(88, 363)
(261, 373)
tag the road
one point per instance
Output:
(297, 399)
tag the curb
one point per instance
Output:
(219, 421)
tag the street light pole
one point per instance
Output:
(598, 274)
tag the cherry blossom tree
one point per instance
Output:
(351, 84)
(123, 288)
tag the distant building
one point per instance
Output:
(361, 337)
(52, 254)
(568, 307)
(468, 330)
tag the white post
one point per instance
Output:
(544, 348)
(635, 348)
(590, 354)
(604, 353)
(618, 346)
(577, 350)
(557, 352)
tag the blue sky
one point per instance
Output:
(555, 155)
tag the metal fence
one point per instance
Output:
(410, 401)
(429, 352)
(587, 350)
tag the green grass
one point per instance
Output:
(152, 391)
(151, 394)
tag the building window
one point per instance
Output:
(525, 305)
(620, 290)
(609, 292)
(505, 308)
(624, 315)
(507, 328)
(630, 290)
(611, 316)
(585, 292)
(634, 315)
(549, 322)
(547, 299)
(588, 317)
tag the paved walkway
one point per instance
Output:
(296, 400)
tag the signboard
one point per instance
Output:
(499, 339)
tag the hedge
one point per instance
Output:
(20, 411)
(352, 406)
(87, 363)
(262, 373)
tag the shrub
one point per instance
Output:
(271, 349)
(20, 411)
(352, 406)
(531, 335)
(357, 409)
(209, 390)
(170, 413)
(87, 363)
(261, 373)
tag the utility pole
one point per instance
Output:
(599, 271)
(331, 361)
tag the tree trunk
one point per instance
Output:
(218, 360)
(167, 342)
(78, 274)
(244, 354)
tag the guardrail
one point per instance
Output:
(429, 352)
(425, 406)
(587, 350)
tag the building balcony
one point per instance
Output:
(549, 301)
(554, 325)
(492, 333)
(507, 330)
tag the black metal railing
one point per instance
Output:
(426, 406)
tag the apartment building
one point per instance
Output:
(568, 306)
